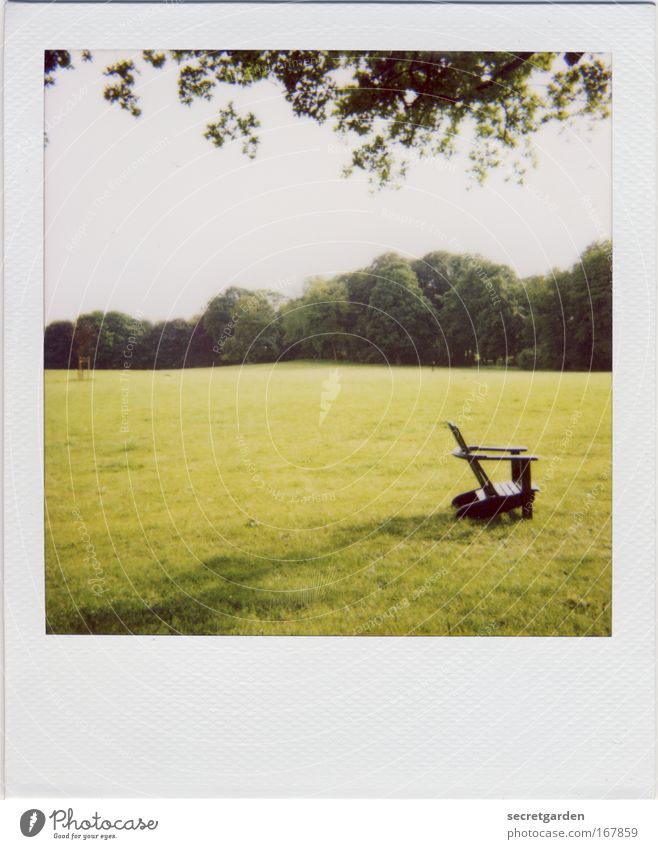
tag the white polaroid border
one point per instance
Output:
(333, 716)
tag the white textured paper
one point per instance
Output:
(203, 716)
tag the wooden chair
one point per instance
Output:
(494, 498)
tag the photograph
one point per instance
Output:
(328, 343)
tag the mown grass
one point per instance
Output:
(214, 502)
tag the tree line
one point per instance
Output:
(443, 309)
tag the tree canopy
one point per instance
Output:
(396, 104)
(443, 309)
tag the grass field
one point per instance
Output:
(216, 502)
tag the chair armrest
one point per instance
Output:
(471, 456)
(512, 449)
(497, 457)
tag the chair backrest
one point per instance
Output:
(482, 477)
(458, 437)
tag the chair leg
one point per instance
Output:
(526, 491)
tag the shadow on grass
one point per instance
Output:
(210, 599)
(226, 596)
(437, 526)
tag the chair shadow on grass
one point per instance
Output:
(435, 526)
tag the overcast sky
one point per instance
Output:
(147, 217)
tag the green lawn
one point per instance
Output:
(214, 502)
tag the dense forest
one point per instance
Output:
(443, 309)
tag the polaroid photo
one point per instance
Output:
(329, 372)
